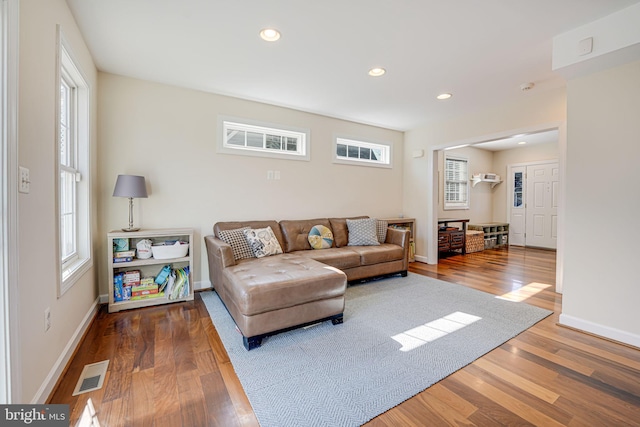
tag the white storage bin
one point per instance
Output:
(177, 250)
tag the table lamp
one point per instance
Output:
(130, 186)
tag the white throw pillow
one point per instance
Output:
(263, 242)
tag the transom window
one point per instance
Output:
(351, 151)
(241, 137)
(456, 183)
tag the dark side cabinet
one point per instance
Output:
(450, 240)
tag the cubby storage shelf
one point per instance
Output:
(496, 234)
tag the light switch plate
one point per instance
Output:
(23, 180)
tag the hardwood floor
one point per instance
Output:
(168, 366)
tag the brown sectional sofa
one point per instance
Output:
(302, 285)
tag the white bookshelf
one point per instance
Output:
(148, 267)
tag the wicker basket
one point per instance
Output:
(475, 241)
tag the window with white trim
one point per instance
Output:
(351, 151)
(456, 183)
(240, 136)
(73, 170)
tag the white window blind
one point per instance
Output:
(456, 183)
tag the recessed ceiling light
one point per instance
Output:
(377, 71)
(270, 34)
(444, 96)
(522, 142)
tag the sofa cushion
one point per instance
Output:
(340, 231)
(296, 233)
(381, 228)
(341, 258)
(263, 242)
(238, 242)
(362, 232)
(370, 255)
(320, 237)
(281, 281)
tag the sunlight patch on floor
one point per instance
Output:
(89, 417)
(524, 292)
(423, 334)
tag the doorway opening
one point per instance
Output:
(508, 148)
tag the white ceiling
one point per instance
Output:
(546, 137)
(481, 51)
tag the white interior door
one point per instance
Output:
(542, 184)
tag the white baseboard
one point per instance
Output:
(203, 284)
(50, 381)
(600, 330)
(422, 259)
(104, 299)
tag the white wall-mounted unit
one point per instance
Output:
(485, 177)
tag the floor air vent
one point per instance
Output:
(91, 378)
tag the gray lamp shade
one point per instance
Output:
(130, 186)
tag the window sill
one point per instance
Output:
(72, 273)
(362, 163)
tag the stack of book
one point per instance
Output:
(145, 290)
(124, 256)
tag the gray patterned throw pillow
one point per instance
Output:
(382, 226)
(362, 232)
(235, 238)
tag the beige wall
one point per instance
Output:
(536, 111)
(37, 269)
(501, 161)
(168, 134)
(601, 291)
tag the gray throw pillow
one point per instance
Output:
(382, 226)
(362, 232)
(238, 242)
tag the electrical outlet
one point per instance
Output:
(47, 319)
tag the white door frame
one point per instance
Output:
(10, 389)
(432, 199)
(510, 184)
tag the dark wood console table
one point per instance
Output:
(449, 240)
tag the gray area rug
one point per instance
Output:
(399, 336)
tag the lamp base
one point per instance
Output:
(131, 229)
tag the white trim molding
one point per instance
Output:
(600, 330)
(10, 367)
(202, 285)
